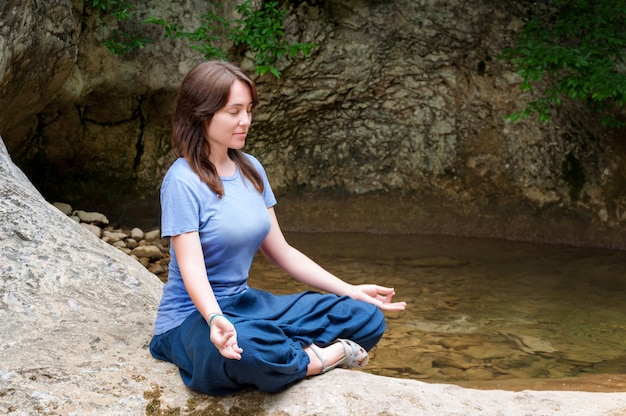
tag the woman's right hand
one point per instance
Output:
(224, 337)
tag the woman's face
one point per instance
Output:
(229, 126)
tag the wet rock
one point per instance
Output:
(531, 344)
(454, 361)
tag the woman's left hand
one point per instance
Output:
(379, 296)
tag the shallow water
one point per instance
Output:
(482, 310)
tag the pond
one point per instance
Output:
(484, 313)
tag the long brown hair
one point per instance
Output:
(204, 91)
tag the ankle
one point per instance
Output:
(315, 363)
(321, 359)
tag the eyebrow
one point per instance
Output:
(239, 104)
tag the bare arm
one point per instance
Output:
(278, 251)
(191, 263)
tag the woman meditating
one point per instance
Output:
(217, 207)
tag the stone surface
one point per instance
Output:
(76, 317)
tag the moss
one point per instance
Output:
(573, 173)
(200, 405)
(153, 408)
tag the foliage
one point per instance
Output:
(262, 31)
(258, 31)
(119, 43)
(119, 9)
(581, 50)
(213, 29)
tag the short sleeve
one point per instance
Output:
(268, 194)
(180, 208)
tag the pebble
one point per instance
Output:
(147, 247)
(91, 217)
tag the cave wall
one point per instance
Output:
(395, 123)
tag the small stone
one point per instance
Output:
(156, 268)
(63, 207)
(152, 235)
(125, 250)
(113, 236)
(94, 229)
(148, 251)
(144, 261)
(92, 217)
(137, 234)
(119, 244)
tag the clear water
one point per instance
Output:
(481, 310)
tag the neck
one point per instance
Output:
(224, 165)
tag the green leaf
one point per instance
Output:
(577, 50)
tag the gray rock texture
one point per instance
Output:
(76, 317)
(395, 122)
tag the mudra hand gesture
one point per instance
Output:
(379, 296)
(224, 337)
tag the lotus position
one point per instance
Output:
(218, 208)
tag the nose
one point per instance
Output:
(246, 119)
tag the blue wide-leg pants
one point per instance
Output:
(272, 330)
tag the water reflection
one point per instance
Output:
(481, 309)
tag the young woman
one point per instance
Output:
(217, 207)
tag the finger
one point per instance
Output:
(384, 290)
(232, 341)
(393, 307)
(389, 297)
(229, 353)
(384, 298)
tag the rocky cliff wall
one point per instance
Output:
(395, 123)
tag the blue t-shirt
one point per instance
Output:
(231, 230)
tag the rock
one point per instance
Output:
(63, 207)
(39, 49)
(91, 217)
(449, 159)
(148, 251)
(137, 234)
(94, 229)
(157, 268)
(119, 244)
(113, 236)
(76, 317)
(152, 235)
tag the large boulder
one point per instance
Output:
(76, 317)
